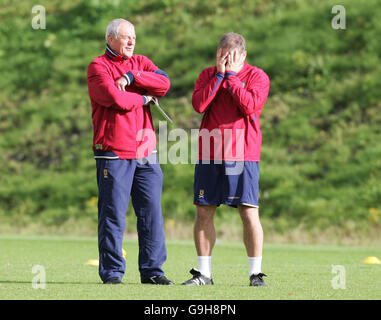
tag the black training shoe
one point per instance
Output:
(158, 280)
(113, 281)
(198, 279)
(256, 280)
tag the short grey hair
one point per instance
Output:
(114, 25)
(231, 41)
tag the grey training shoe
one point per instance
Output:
(256, 280)
(198, 279)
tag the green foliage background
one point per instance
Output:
(321, 154)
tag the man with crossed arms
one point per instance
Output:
(121, 86)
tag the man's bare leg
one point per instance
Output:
(204, 232)
(205, 238)
(252, 237)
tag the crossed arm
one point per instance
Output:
(155, 82)
(108, 93)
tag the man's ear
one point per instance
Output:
(244, 53)
(110, 38)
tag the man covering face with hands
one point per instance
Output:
(231, 96)
(232, 60)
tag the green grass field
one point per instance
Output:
(294, 271)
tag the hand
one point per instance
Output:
(221, 60)
(121, 83)
(155, 100)
(149, 99)
(235, 61)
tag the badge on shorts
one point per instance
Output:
(105, 173)
(201, 194)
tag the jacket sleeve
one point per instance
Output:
(252, 97)
(155, 81)
(205, 90)
(103, 91)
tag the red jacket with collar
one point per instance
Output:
(119, 117)
(232, 104)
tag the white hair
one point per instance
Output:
(114, 25)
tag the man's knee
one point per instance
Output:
(248, 214)
(205, 213)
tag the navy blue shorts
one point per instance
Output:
(228, 182)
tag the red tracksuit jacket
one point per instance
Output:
(117, 115)
(232, 104)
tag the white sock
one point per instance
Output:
(205, 265)
(255, 265)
